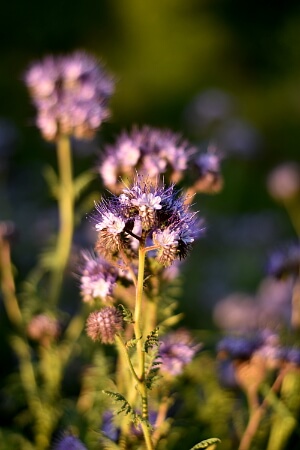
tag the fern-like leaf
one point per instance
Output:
(126, 313)
(152, 340)
(125, 406)
(207, 443)
(132, 342)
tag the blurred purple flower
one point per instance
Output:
(97, 277)
(150, 151)
(177, 349)
(70, 93)
(284, 262)
(69, 443)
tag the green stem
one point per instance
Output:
(124, 353)
(140, 347)
(66, 214)
(8, 285)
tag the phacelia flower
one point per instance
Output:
(209, 177)
(148, 150)
(103, 325)
(70, 93)
(235, 347)
(284, 181)
(43, 328)
(70, 443)
(97, 278)
(176, 350)
(158, 212)
(285, 262)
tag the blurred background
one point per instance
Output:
(218, 71)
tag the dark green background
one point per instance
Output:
(163, 53)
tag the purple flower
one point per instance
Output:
(70, 93)
(69, 443)
(103, 325)
(208, 167)
(285, 262)
(148, 150)
(108, 427)
(97, 278)
(238, 347)
(176, 350)
(293, 355)
(158, 212)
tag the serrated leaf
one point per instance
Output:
(126, 313)
(82, 182)
(207, 443)
(125, 406)
(52, 180)
(152, 340)
(132, 342)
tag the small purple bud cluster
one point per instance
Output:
(164, 218)
(176, 350)
(97, 277)
(70, 93)
(103, 325)
(148, 150)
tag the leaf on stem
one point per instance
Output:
(126, 313)
(52, 180)
(82, 182)
(152, 340)
(125, 407)
(132, 342)
(207, 443)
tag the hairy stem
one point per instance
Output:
(141, 386)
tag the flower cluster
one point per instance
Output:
(285, 262)
(104, 324)
(97, 278)
(176, 350)
(70, 93)
(165, 221)
(70, 443)
(43, 328)
(148, 150)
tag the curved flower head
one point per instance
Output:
(176, 350)
(160, 214)
(97, 277)
(103, 325)
(148, 150)
(70, 93)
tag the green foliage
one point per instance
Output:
(125, 407)
(52, 180)
(126, 313)
(82, 182)
(152, 340)
(153, 374)
(207, 443)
